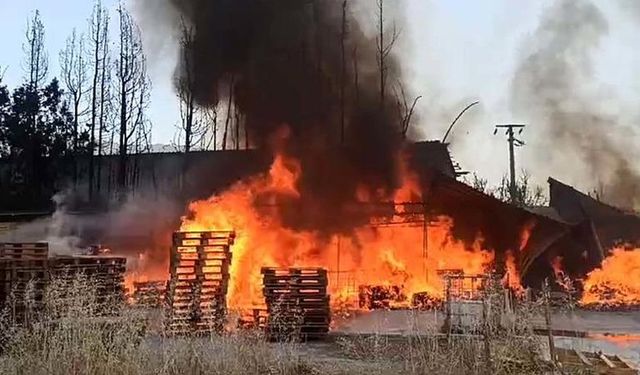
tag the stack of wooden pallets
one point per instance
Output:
(197, 290)
(23, 276)
(254, 319)
(149, 293)
(105, 274)
(297, 303)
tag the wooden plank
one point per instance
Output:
(39, 250)
(622, 362)
(606, 360)
(582, 358)
(293, 271)
(23, 263)
(204, 234)
(24, 245)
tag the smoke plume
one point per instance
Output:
(138, 229)
(553, 87)
(282, 64)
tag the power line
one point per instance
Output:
(513, 142)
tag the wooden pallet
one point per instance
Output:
(24, 268)
(38, 250)
(88, 260)
(254, 319)
(297, 303)
(196, 292)
(299, 300)
(295, 289)
(293, 271)
(104, 272)
(598, 363)
(223, 235)
(29, 275)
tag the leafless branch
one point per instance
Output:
(36, 64)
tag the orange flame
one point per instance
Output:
(616, 282)
(512, 279)
(405, 255)
(561, 278)
(512, 276)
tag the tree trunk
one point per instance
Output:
(343, 71)
(122, 165)
(76, 110)
(226, 123)
(94, 109)
(356, 76)
(381, 53)
(237, 115)
(188, 128)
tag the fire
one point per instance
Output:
(142, 269)
(512, 279)
(400, 253)
(561, 278)
(512, 276)
(616, 282)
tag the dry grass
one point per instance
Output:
(77, 334)
(501, 345)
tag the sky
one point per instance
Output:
(453, 52)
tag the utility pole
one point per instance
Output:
(513, 142)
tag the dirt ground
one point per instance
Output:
(411, 321)
(615, 333)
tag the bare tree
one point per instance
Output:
(405, 110)
(356, 75)
(384, 48)
(527, 195)
(229, 114)
(238, 117)
(193, 123)
(106, 104)
(186, 84)
(36, 64)
(74, 75)
(141, 142)
(132, 87)
(98, 39)
(343, 70)
(246, 136)
(479, 183)
(211, 117)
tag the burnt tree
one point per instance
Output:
(105, 113)
(98, 43)
(384, 47)
(74, 76)
(131, 88)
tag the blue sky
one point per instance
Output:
(454, 52)
(59, 18)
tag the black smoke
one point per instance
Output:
(281, 62)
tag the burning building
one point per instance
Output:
(339, 182)
(333, 178)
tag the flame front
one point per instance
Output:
(405, 255)
(616, 282)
